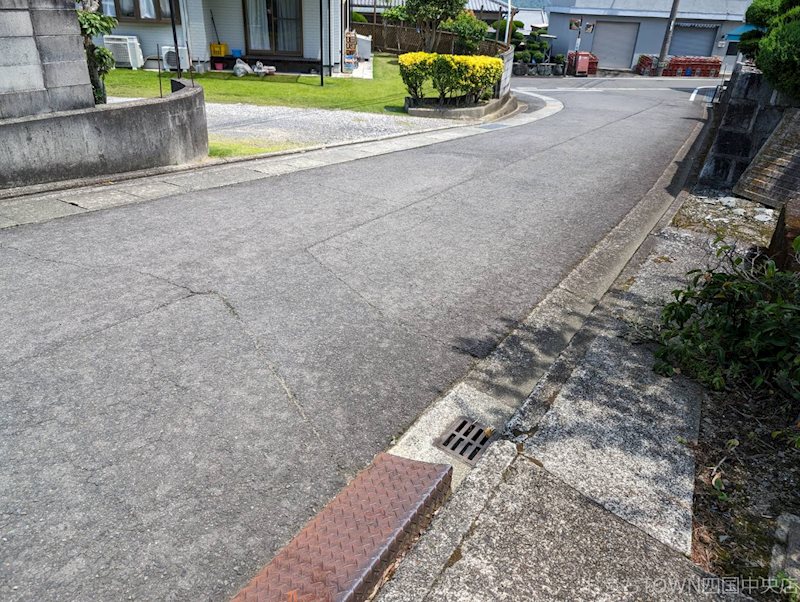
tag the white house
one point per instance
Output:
(285, 33)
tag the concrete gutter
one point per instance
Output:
(498, 385)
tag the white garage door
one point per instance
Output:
(613, 44)
(692, 41)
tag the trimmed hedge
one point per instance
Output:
(451, 75)
(357, 18)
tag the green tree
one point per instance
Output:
(429, 14)
(516, 36)
(779, 57)
(776, 45)
(761, 12)
(395, 14)
(99, 60)
(469, 29)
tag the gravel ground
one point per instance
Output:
(308, 126)
(305, 127)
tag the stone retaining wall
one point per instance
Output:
(750, 111)
(104, 140)
(42, 60)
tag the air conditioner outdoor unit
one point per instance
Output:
(126, 50)
(170, 59)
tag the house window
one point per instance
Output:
(145, 11)
(274, 27)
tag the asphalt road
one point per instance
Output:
(187, 381)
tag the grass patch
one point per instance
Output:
(384, 93)
(221, 148)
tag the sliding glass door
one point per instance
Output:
(274, 27)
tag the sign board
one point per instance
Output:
(589, 28)
(574, 24)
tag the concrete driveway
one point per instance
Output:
(187, 381)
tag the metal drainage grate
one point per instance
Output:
(466, 439)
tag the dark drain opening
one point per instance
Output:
(466, 439)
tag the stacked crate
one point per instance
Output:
(686, 66)
(593, 61)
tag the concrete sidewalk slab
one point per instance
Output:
(539, 539)
(617, 432)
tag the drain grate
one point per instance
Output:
(466, 439)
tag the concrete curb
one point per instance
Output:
(495, 108)
(35, 208)
(23, 191)
(345, 550)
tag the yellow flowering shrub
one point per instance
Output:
(450, 74)
(415, 69)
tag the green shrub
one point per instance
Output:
(469, 29)
(500, 26)
(447, 75)
(522, 57)
(736, 324)
(779, 57)
(483, 72)
(357, 18)
(415, 69)
(749, 43)
(792, 14)
(761, 12)
(537, 56)
(559, 59)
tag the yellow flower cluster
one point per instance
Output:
(410, 59)
(450, 73)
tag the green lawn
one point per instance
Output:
(220, 148)
(384, 93)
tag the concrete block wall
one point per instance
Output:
(42, 61)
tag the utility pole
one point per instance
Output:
(662, 58)
(509, 23)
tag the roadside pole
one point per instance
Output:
(321, 44)
(662, 57)
(175, 37)
(509, 22)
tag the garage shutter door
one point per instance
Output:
(613, 44)
(692, 41)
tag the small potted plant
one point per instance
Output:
(521, 61)
(559, 60)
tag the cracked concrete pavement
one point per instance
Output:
(188, 380)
